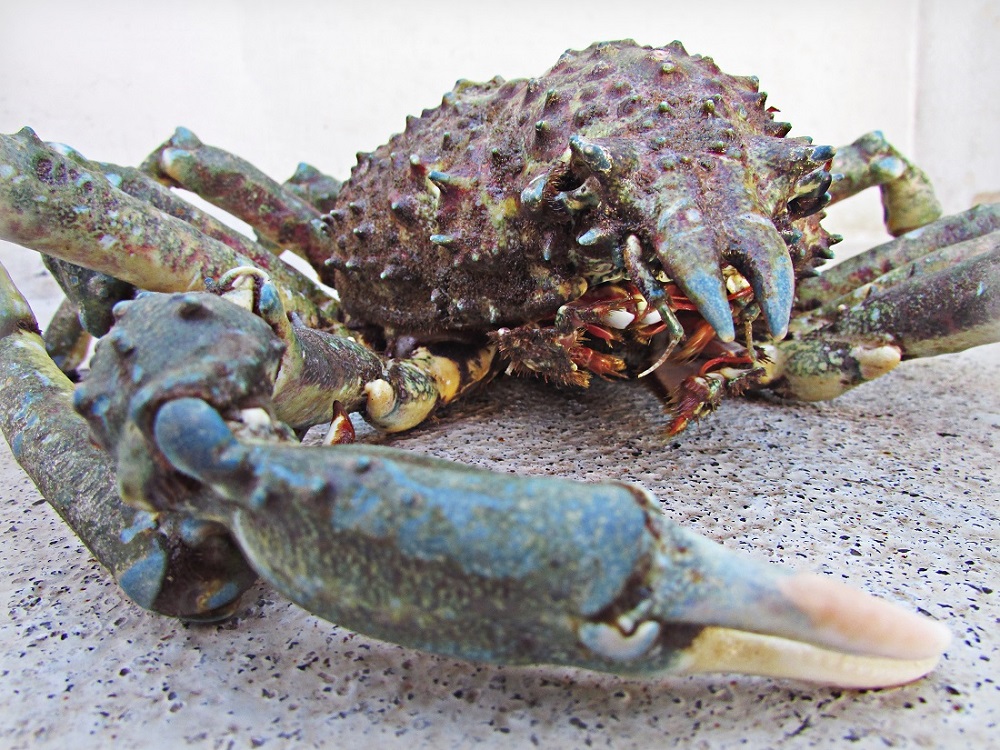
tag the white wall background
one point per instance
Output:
(318, 81)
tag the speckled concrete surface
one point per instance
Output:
(892, 488)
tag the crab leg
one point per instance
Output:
(907, 194)
(54, 204)
(192, 571)
(91, 293)
(913, 314)
(938, 313)
(516, 570)
(903, 251)
(931, 263)
(320, 370)
(140, 185)
(276, 212)
(66, 341)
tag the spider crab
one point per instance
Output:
(632, 211)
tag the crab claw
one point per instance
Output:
(177, 568)
(760, 619)
(522, 570)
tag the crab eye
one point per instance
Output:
(553, 189)
(578, 200)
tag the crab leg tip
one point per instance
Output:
(874, 362)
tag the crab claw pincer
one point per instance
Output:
(519, 570)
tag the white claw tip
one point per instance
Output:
(876, 362)
(849, 639)
(727, 650)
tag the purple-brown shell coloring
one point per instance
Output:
(512, 197)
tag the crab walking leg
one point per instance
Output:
(908, 198)
(138, 184)
(924, 315)
(866, 267)
(277, 213)
(314, 187)
(191, 570)
(91, 293)
(931, 263)
(319, 369)
(66, 341)
(494, 567)
(939, 313)
(52, 204)
(141, 185)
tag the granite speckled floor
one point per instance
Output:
(892, 487)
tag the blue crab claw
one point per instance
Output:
(494, 567)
